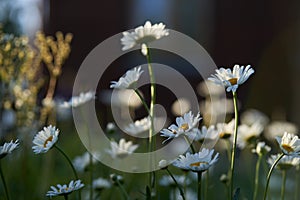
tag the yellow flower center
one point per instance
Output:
(48, 140)
(197, 164)
(184, 126)
(233, 81)
(287, 147)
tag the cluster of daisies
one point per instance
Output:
(194, 159)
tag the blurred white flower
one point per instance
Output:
(208, 88)
(261, 148)
(248, 134)
(277, 128)
(101, 183)
(289, 144)
(184, 125)
(181, 106)
(122, 149)
(197, 162)
(82, 162)
(167, 180)
(286, 162)
(252, 116)
(231, 79)
(62, 190)
(8, 147)
(120, 98)
(143, 35)
(204, 133)
(116, 178)
(45, 139)
(225, 130)
(111, 127)
(78, 100)
(139, 126)
(163, 164)
(128, 81)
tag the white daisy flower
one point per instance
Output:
(45, 139)
(167, 180)
(197, 162)
(231, 79)
(139, 126)
(261, 148)
(101, 183)
(248, 134)
(289, 144)
(78, 100)
(286, 162)
(277, 128)
(82, 162)
(204, 133)
(128, 81)
(184, 125)
(122, 149)
(143, 35)
(63, 190)
(8, 147)
(225, 130)
(111, 127)
(252, 116)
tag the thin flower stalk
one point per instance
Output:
(72, 166)
(283, 184)
(234, 143)
(256, 183)
(152, 142)
(199, 184)
(178, 186)
(4, 183)
(270, 173)
(142, 100)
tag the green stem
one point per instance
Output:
(91, 176)
(142, 100)
(270, 173)
(256, 183)
(297, 182)
(152, 142)
(126, 196)
(283, 184)
(178, 186)
(234, 142)
(66, 197)
(206, 184)
(72, 166)
(4, 183)
(199, 185)
(191, 145)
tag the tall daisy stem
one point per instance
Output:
(126, 196)
(142, 100)
(70, 163)
(178, 186)
(283, 184)
(4, 183)
(256, 183)
(91, 175)
(152, 142)
(234, 143)
(199, 185)
(191, 145)
(270, 173)
(66, 197)
(297, 182)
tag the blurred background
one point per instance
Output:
(264, 34)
